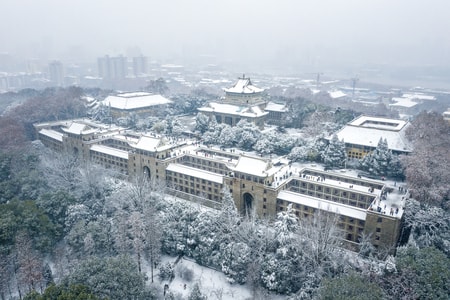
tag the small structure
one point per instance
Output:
(276, 113)
(446, 115)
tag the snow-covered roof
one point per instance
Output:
(148, 143)
(337, 94)
(126, 101)
(110, 151)
(342, 209)
(78, 128)
(252, 166)
(367, 131)
(243, 86)
(194, 172)
(419, 96)
(378, 123)
(52, 134)
(243, 111)
(272, 106)
(403, 102)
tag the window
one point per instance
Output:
(378, 229)
(264, 206)
(379, 220)
(264, 200)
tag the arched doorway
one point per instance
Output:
(248, 204)
(146, 171)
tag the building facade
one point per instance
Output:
(258, 185)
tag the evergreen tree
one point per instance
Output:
(201, 123)
(285, 225)
(334, 155)
(382, 162)
(351, 286)
(196, 294)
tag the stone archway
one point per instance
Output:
(146, 171)
(248, 203)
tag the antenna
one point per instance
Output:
(354, 81)
(318, 79)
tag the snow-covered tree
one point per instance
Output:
(427, 168)
(235, 259)
(247, 134)
(196, 294)
(381, 161)
(335, 155)
(202, 123)
(430, 225)
(319, 237)
(112, 278)
(285, 225)
(227, 136)
(350, 286)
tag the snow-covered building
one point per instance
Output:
(410, 103)
(337, 95)
(139, 103)
(363, 206)
(276, 113)
(242, 101)
(257, 184)
(243, 92)
(446, 115)
(362, 135)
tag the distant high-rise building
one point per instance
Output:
(140, 66)
(119, 67)
(56, 73)
(103, 67)
(112, 67)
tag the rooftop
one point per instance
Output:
(194, 172)
(243, 111)
(127, 101)
(110, 151)
(253, 166)
(378, 123)
(272, 106)
(243, 86)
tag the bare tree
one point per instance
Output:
(6, 269)
(153, 238)
(320, 236)
(137, 230)
(30, 264)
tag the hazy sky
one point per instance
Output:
(310, 32)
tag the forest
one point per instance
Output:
(74, 230)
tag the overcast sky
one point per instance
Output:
(311, 32)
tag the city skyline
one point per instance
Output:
(260, 33)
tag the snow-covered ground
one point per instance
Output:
(212, 283)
